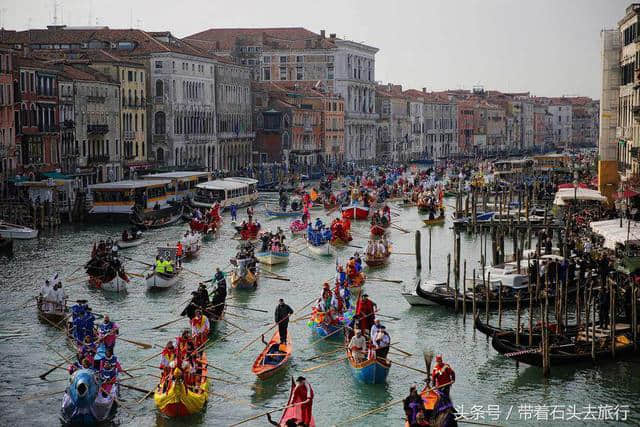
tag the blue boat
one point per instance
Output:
(84, 403)
(371, 371)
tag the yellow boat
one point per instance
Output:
(434, 221)
(180, 400)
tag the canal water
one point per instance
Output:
(489, 388)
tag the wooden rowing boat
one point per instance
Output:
(130, 243)
(272, 257)
(273, 358)
(282, 214)
(355, 212)
(323, 249)
(174, 399)
(435, 221)
(51, 312)
(247, 282)
(370, 371)
(88, 402)
(157, 280)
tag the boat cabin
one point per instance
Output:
(506, 169)
(229, 191)
(183, 183)
(121, 197)
(59, 191)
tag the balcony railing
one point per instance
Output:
(98, 158)
(96, 99)
(97, 129)
(129, 134)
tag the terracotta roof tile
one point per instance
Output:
(225, 39)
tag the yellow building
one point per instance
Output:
(132, 77)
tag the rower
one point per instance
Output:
(168, 266)
(159, 265)
(200, 328)
(303, 396)
(107, 332)
(358, 346)
(442, 374)
(412, 405)
(282, 313)
(381, 342)
(179, 251)
(367, 309)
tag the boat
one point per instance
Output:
(370, 371)
(6, 247)
(272, 257)
(438, 408)
(377, 230)
(18, 232)
(121, 200)
(273, 358)
(157, 219)
(331, 330)
(117, 283)
(282, 214)
(380, 259)
(415, 297)
(182, 185)
(563, 350)
(318, 242)
(239, 191)
(207, 229)
(105, 270)
(340, 232)
(435, 221)
(137, 240)
(174, 399)
(51, 312)
(250, 232)
(323, 249)
(297, 227)
(242, 277)
(155, 280)
(85, 403)
(293, 411)
(191, 246)
(355, 212)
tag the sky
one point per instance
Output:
(547, 47)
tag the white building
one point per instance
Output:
(561, 122)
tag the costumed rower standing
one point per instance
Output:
(282, 313)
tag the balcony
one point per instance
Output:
(97, 129)
(158, 100)
(98, 159)
(68, 124)
(129, 135)
(636, 112)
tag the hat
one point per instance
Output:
(365, 295)
(81, 301)
(439, 358)
(300, 379)
(383, 327)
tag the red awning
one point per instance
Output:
(626, 194)
(570, 185)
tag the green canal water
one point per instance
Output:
(489, 387)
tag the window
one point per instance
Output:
(159, 89)
(130, 76)
(283, 73)
(283, 59)
(299, 73)
(160, 123)
(266, 59)
(330, 73)
(158, 65)
(299, 58)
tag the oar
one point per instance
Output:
(168, 323)
(247, 308)
(381, 279)
(355, 246)
(233, 324)
(40, 395)
(265, 413)
(408, 367)
(321, 339)
(402, 253)
(333, 362)
(401, 350)
(139, 344)
(74, 271)
(141, 390)
(222, 370)
(388, 317)
(43, 383)
(136, 275)
(273, 326)
(326, 353)
(58, 366)
(400, 228)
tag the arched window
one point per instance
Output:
(160, 155)
(159, 88)
(160, 123)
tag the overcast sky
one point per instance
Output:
(548, 47)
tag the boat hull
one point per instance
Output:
(266, 370)
(161, 281)
(416, 300)
(117, 284)
(178, 401)
(248, 282)
(355, 212)
(435, 221)
(272, 258)
(322, 250)
(370, 371)
(17, 232)
(124, 244)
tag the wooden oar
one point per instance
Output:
(408, 367)
(403, 253)
(74, 271)
(40, 395)
(401, 350)
(139, 344)
(136, 275)
(333, 362)
(233, 324)
(168, 323)
(248, 308)
(222, 370)
(320, 339)
(273, 326)
(326, 353)
(388, 317)
(381, 279)
(276, 278)
(400, 228)
(355, 246)
(58, 366)
(141, 390)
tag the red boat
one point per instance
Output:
(204, 227)
(377, 230)
(355, 212)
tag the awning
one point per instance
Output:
(55, 175)
(612, 233)
(583, 194)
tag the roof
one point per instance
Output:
(177, 174)
(86, 74)
(219, 184)
(612, 232)
(226, 39)
(243, 179)
(128, 184)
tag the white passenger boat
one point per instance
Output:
(272, 257)
(14, 231)
(237, 191)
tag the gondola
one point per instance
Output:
(174, 399)
(85, 401)
(562, 350)
(154, 220)
(370, 371)
(111, 279)
(439, 409)
(415, 297)
(273, 358)
(55, 314)
(435, 221)
(130, 243)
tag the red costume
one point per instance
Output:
(303, 393)
(442, 374)
(365, 308)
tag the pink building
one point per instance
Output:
(8, 152)
(465, 126)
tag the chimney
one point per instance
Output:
(389, 86)
(424, 90)
(322, 33)
(332, 36)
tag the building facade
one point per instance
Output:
(561, 122)
(8, 152)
